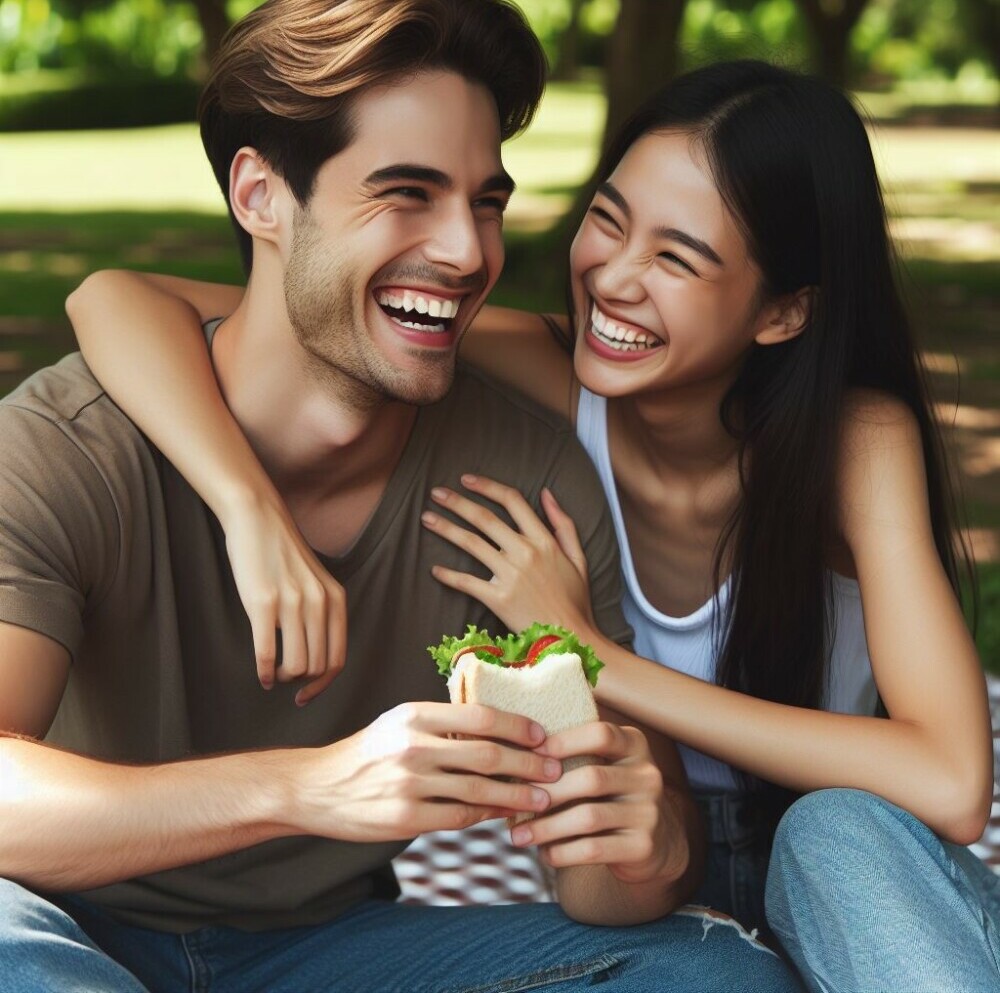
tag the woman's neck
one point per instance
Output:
(675, 434)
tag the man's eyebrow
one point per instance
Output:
(407, 173)
(672, 234)
(403, 172)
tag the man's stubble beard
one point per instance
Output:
(321, 299)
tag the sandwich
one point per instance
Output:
(544, 673)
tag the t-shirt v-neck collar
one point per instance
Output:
(399, 484)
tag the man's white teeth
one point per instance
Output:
(621, 339)
(420, 327)
(409, 301)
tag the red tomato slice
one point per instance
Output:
(489, 649)
(538, 647)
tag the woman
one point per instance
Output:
(739, 365)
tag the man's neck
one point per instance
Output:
(315, 436)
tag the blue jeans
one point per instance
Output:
(736, 859)
(865, 898)
(378, 947)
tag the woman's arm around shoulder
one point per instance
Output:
(142, 337)
(530, 352)
(922, 654)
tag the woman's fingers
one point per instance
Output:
(466, 540)
(263, 614)
(512, 501)
(481, 518)
(294, 661)
(565, 532)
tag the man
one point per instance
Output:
(180, 828)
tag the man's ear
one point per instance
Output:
(255, 193)
(786, 318)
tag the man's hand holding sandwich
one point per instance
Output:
(620, 826)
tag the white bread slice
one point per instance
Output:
(554, 692)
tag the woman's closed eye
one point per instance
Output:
(676, 260)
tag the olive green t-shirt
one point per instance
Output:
(107, 550)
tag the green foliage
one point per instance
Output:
(117, 102)
(988, 625)
(769, 29)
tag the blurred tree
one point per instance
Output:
(982, 18)
(642, 57)
(830, 24)
(567, 61)
(212, 16)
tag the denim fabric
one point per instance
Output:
(865, 898)
(739, 847)
(378, 947)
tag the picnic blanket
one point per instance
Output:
(479, 865)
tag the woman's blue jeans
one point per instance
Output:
(865, 898)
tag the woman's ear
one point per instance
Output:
(254, 194)
(786, 318)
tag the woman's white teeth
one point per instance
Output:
(621, 339)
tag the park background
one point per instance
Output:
(101, 166)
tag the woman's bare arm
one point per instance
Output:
(142, 337)
(933, 757)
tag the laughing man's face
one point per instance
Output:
(401, 240)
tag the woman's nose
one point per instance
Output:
(620, 278)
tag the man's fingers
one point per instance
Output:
(476, 721)
(491, 758)
(481, 791)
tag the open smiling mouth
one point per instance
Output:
(621, 339)
(418, 310)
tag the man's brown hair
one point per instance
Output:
(286, 75)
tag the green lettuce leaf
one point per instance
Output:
(445, 652)
(515, 648)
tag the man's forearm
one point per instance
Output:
(72, 823)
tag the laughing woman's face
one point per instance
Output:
(664, 289)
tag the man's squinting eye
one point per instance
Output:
(499, 204)
(407, 193)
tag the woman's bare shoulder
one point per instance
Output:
(527, 351)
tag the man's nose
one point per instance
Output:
(456, 242)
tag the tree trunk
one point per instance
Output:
(214, 24)
(568, 53)
(830, 24)
(643, 55)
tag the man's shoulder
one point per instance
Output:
(68, 398)
(490, 398)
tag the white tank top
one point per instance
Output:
(686, 643)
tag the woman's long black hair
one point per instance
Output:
(792, 160)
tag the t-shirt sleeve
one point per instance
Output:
(576, 486)
(59, 529)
